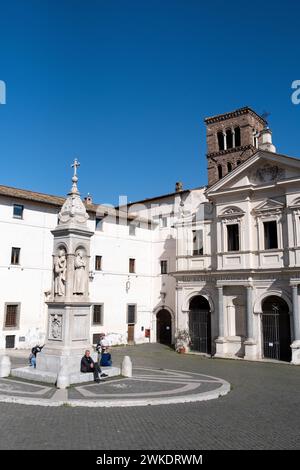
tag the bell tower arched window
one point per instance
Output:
(229, 139)
(237, 135)
(221, 140)
(220, 172)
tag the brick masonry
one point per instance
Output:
(247, 120)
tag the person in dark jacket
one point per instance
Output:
(88, 365)
(106, 360)
(32, 358)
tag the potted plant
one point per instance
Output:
(182, 340)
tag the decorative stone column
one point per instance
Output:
(296, 320)
(68, 334)
(220, 341)
(68, 331)
(250, 344)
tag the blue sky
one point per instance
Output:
(125, 85)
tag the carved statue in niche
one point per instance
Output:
(60, 269)
(79, 273)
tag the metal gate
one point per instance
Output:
(276, 334)
(271, 340)
(200, 331)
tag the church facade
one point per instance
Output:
(214, 270)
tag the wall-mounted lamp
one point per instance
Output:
(127, 284)
(91, 275)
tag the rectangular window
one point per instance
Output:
(11, 316)
(10, 342)
(131, 314)
(15, 255)
(97, 337)
(132, 229)
(99, 223)
(163, 221)
(197, 242)
(98, 314)
(233, 242)
(131, 265)
(270, 232)
(18, 211)
(164, 267)
(98, 263)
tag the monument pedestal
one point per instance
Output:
(67, 337)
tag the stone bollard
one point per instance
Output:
(5, 366)
(63, 378)
(126, 368)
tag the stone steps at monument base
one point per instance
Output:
(28, 373)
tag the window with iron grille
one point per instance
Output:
(18, 211)
(11, 316)
(131, 265)
(97, 337)
(131, 314)
(164, 267)
(98, 314)
(98, 263)
(15, 255)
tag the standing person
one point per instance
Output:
(32, 358)
(99, 346)
(88, 365)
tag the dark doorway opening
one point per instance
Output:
(164, 327)
(200, 325)
(276, 329)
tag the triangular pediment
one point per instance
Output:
(261, 170)
(269, 205)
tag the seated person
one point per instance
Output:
(88, 365)
(105, 358)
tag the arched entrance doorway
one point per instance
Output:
(200, 325)
(164, 327)
(276, 329)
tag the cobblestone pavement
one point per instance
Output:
(261, 412)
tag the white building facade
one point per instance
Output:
(218, 267)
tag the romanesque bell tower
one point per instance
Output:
(231, 139)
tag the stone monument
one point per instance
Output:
(68, 332)
(68, 326)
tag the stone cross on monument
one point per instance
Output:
(75, 165)
(68, 332)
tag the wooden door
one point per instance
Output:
(130, 334)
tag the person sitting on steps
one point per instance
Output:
(105, 358)
(88, 365)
